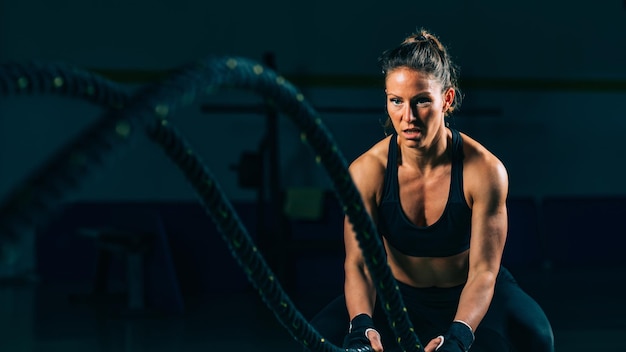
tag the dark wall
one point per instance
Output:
(543, 90)
(553, 113)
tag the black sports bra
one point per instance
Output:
(449, 235)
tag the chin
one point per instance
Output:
(413, 142)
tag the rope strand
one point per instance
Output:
(150, 110)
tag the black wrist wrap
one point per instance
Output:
(458, 338)
(356, 340)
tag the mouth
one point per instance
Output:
(412, 132)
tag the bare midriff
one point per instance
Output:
(428, 271)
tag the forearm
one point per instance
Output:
(359, 291)
(360, 298)
(476, 298)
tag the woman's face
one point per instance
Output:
(416, 104)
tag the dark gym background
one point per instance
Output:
(544, 87)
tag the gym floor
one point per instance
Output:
(586, 307)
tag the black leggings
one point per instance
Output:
(514, 321)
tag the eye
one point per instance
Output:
(421, 101)
(395, 101)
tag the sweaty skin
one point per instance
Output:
(416, 105)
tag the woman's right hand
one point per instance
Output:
(362, 334)
(357, 341)
(375, 341)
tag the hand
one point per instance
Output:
(375, 341)
(360, 349)
(433, 344)
(362, 336)
(459, 338)
(361, 341)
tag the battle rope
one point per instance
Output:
(31, 201)
(160, 101)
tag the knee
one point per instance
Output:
(539, 338)
(544, 338)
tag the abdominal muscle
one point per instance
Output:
(428, 271)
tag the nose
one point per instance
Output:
(410, 114)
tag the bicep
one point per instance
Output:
(489, 218)
(367, 188)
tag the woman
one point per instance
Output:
(438, 198)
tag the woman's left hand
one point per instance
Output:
(433, 344)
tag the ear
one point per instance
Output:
(448, 98)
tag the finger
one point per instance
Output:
(375, 341)
(433, 344)
(377, 345)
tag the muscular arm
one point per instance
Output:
(359, 289)
(488, 188)
(367, 173)
(358, 286)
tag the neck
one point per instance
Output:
(430, 156)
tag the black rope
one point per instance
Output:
(246, 74)
(35, 197)
(149, 109)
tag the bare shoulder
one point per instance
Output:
(484, 169)
(368, 169)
